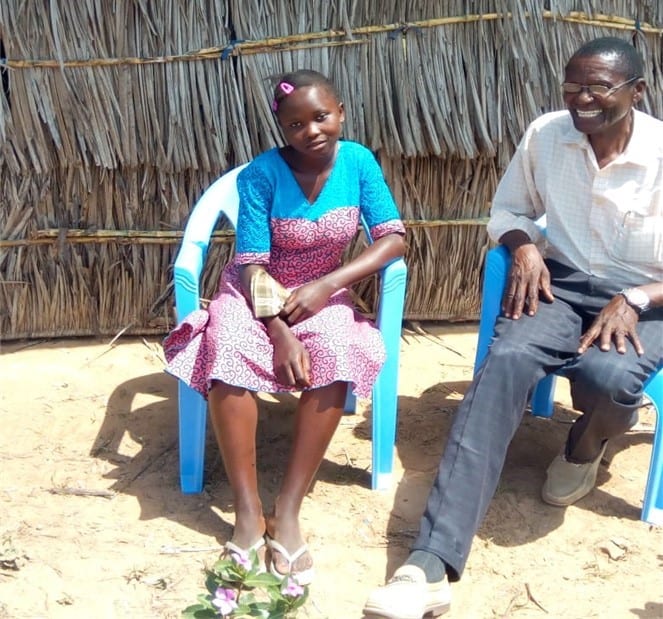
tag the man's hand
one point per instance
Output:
(527, 277)
(616, 322)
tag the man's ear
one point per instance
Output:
(639, 91)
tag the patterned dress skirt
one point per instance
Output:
(226, 342)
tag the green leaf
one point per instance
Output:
(211, 582)
(299, 601)
(198, 611)
(262, 580)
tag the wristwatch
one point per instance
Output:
(637, 298)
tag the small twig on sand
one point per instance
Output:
(154, 352)
(111, 345)
(533, 599)
(436, 339)
(348, 459)
(176, 550)
(66, 490)
(28, 344)
(515, 605)
(123, 485)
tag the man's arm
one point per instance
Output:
(528, 276)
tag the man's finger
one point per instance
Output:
(637, 344)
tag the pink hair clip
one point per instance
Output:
(286, 88)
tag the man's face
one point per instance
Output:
(608, 113)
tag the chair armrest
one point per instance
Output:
(187, 270)
(389, 319)
(392, 295)
(496, 270)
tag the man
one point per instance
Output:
(590, 310)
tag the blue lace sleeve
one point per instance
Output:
(253, 234)
(377, 204)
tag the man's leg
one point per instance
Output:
(523, 352)
(607, 387)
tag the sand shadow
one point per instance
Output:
(517, 515)
(145, 409)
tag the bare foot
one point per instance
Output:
(249, 527)
(285, 530)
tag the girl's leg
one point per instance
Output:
(316, 420)
(234, 414)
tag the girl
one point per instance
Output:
(300, 206)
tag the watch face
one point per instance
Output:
(637, 298)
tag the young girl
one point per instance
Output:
(300, 207)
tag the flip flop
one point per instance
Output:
(303, 578)
(232, 547)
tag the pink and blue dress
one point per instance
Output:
(297, 242)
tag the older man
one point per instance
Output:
(586, 302)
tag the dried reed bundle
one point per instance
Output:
(114, 117)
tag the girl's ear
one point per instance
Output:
(341, 111)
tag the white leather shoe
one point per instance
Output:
(407, 595)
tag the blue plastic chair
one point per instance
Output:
(221, 197)
(495, 274)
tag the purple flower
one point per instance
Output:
(224, 600)
(292, 589)
(242, 559)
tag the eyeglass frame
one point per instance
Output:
(587, 87)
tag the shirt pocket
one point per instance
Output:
(638, 238)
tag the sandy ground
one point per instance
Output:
(93, 524)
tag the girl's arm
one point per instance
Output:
(291, 361)
(310, 298)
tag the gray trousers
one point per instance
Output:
(605, 386)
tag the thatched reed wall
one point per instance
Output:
(114, 117)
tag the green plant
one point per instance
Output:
(237, 587)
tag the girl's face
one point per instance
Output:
(311, 119)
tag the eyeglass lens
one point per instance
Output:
(600, 90)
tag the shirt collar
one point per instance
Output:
(640, 149)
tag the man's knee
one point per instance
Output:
(608, 376)
(510, 350)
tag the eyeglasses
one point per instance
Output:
(596, 90)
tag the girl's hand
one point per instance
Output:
(291, 361)
(306, 301)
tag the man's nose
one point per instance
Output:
(586, 93)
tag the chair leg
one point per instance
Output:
(385, 390)
(192, 425)
(350, 407)
(542, 398)
(652, 505)
(385, 405)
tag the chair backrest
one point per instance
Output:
(220, 197)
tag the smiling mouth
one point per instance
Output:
(588, 113)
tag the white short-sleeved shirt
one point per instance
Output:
(606, 222)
